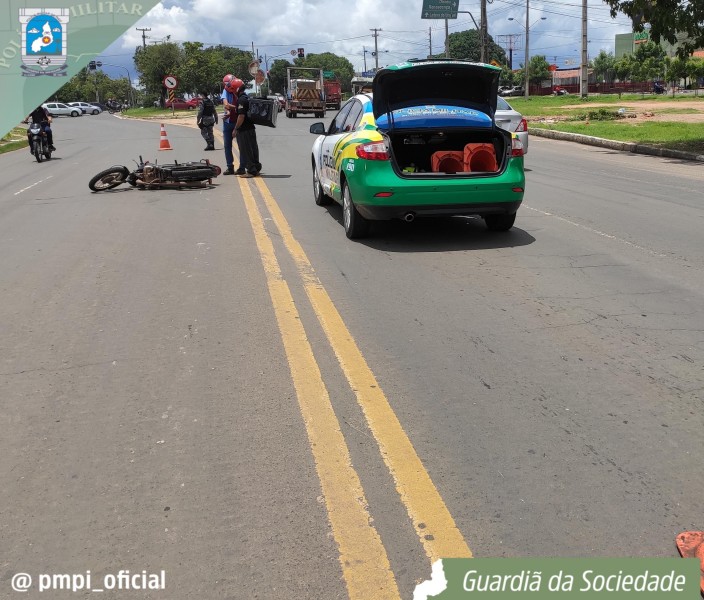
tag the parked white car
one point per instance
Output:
(91, 109)
(56, 109)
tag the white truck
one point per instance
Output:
(305, 92)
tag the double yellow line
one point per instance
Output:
(363, 558)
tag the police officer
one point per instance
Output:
(206, 119)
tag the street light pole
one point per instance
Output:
(527, 53)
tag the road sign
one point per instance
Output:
(439, 9)
(328, 74)
(293, 53)
(259, 77)
(170, 82)
(253, 67)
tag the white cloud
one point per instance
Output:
(344, 27)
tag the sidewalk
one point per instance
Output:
(614, 145)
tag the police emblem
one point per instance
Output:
(44, 41)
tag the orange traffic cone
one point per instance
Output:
(164, 141)
(691, 545)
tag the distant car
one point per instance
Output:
(100, 105)
(87, 108)
(511, 120)
(182, 104)
(57, 109)
(516, 90)
(278, 102)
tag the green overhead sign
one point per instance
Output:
(439, 9)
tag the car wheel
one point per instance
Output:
(356, 226)
(96, 112)
(75, 113)
(500, 222)
(320, 198)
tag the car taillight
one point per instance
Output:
(516, 147)
(373, 151)
(522, 126)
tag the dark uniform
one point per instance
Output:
(247, 138)
(206, 119)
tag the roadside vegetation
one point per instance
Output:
(15, 139)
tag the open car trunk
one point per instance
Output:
(438, 119)
(449, 152)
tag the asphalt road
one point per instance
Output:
(218, 384)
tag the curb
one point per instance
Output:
(633, 147)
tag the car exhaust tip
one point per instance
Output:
(409, 216)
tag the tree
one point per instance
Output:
(343, 68)
(695, 70)
(539, 69)
(603, 66)
(648, 62)
(666, 19)
(277, 75)
(154, 63)
(467, 45)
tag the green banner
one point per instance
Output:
(545, 578)
(44, 43)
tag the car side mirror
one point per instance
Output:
(318, 128)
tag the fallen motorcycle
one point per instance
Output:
(154, 176)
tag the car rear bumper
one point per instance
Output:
(482, 195)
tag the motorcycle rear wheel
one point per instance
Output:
(108, 179)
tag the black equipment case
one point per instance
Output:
(263, 111)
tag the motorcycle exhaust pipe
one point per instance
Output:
(409, 216)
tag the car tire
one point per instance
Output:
(320, 198)
(75, 113)
(356, 226)
(96, 112)
(500, 222)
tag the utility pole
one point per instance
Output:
(447, 40)
(364, 51)
(584, 80)
(144, 37)
(483, 34)
(376, 48)
(430, 39)
(527, 90)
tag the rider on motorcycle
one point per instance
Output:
(41, 115)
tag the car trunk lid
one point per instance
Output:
(447, 84)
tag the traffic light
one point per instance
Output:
(301, 53)
(91, 65)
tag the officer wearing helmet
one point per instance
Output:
(243, 131)
(229, 101)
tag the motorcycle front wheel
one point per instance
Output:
(37, 150)
(108, 179)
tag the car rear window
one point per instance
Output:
(501, 104)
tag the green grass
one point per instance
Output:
(550, 106)
(157, 113)
(677, 136)
(17, 138)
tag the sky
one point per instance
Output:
(344, 27)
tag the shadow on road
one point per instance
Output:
(436, 234)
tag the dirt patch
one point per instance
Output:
(640, 111)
